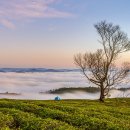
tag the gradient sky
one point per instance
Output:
(47, 33)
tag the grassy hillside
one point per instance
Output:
(114, 114)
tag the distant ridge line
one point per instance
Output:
(33, 70)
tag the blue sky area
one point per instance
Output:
(47, 33)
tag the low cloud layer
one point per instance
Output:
(28, 85)
(12, 11)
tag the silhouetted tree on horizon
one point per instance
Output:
(99, 67)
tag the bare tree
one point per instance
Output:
(99, 67)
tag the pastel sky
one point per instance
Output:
(47, 33)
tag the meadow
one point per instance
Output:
(113, 114)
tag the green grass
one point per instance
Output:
(113, 114)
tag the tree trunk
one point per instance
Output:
(102, 94)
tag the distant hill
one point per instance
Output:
(73, 89)
(80, 89)
(25, 70)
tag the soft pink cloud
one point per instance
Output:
(15, 10)
(7, 23)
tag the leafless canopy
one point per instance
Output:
(99, 67)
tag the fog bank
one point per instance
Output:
(28, 85)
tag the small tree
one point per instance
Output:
(99, 67)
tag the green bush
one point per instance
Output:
(28, 121)
(6, 121)
(65, 115)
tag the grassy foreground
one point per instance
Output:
(114, 114)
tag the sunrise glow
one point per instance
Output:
(47, 33)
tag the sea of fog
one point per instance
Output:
(28, 83)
